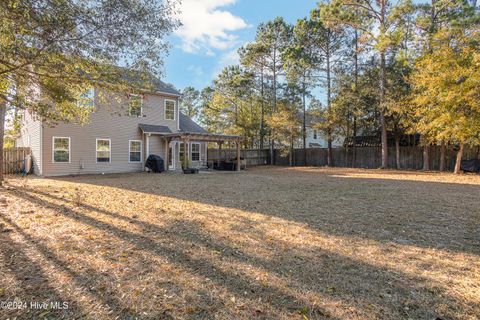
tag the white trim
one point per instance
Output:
(129, 150)
(174, 157)
(69, 149)
(147, 145)
(141, 104)
(110, 150)
(175, 108)
(205, 146)
(199, 151)
(166, 94)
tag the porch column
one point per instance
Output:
(219, 153)
(167, 155)
(238, 156)
(147, 147)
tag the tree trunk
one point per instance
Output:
(329, 106)
(383, 124)
(272, 152)
(290, 158)
(354, 156)
(304, 125)
(426, 157)
(397, 151)
(272, 142)
(262, 112)
(458, 162)
(443, 149)
(354, 149)
(3, 111)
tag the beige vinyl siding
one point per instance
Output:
(157, 146)
(109, 121)
(30, 136)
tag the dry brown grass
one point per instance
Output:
(269, 243)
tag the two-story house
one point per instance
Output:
(121, 134)
(317, 138)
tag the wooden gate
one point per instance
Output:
(13, 159)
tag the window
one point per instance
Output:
(135, 106)
(169, 110)
(315, 134)
(86, 99)
(103, 150)
(61, 149)
(195, 151)
(135, 151)
(181, 151)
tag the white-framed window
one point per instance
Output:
(135, 151)
(315, 134)
(169, 109)
(61, 149)
(195, 154)
(181, 151)
(87, 99)
(135, 105)
(104, 151)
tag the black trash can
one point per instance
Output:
(155, 163)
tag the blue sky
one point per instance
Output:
(213, 30)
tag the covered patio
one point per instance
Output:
(166, 136)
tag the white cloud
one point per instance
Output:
(196, 70)
(206, 27)
(227, 59)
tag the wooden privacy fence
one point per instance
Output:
(13, 159)
(370, 157)
(366, 157)
(253, 157)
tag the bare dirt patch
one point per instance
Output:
(269, 243)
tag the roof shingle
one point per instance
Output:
(150, 128)
(188, 125)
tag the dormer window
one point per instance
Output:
(86, 99)
(135, 105)
(170, 110)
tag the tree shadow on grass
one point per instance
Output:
(406, 212)
(375, 291)
(33, 289)
(281, 301)
(86, 280)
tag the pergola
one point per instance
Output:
(185, 137)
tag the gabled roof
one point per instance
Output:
(163, 87)
(150, 128)
(152, 83)
(188, 125)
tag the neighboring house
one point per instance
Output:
(317, 138)
(119, 137)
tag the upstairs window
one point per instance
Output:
(170, 110)
(61, 149)
(135, 105)
(103, 150)
(315, 134)
(195, 151)
(86, 99)
(135, 151)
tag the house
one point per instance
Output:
(316, 138)
(124, 129)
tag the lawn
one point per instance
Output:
(268, 243)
